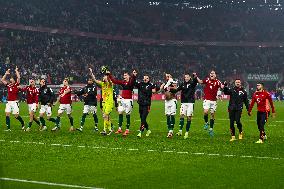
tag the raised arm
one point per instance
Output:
(4, 81)
(115, 81)
(18, 74)
(93, 77)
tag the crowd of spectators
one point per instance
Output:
(55, 56)
(156, 22)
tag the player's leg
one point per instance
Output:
(8, 110)
(32, 110)
(189, 114)
(60, 111)
(261, 122)
(171, 114)
(232, 126)
(239, 123)
(213, 107)
(15, 112)
(120, 110)
(95, 117)
(206, 106)
(143, 115)
(83, 118)
(183, 109)
(71, 120)
(41, 118)
(128, 110)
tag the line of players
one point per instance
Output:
(45, 97)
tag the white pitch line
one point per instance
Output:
(47, 183)
(166, 151)
(115, 148)
(66, 145)
(55, 144)
(2, 140)
(213, 154)
(182, 152)
(229, 155)
(15, 141)
(198, 153)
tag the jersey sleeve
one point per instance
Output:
(271, 102)
(205, 81)
(115, 81)
(252, 103)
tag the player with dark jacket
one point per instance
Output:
(145, 90)
(187, 88)
(238, 97)
(89, 92)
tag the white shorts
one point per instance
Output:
(171, 107)
(210, 105)
(45, 109)
(89, 109)
(65, 107)
(186, 109)
(32, 107)
(126, 105)
(12, 106)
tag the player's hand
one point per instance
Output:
(91, 70)
(134, 73)
(273, 115)
(7, 72)
(17, 69)
(249, 113)
(107, 72)
(225, 83)
(194, 75)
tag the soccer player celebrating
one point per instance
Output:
(46, 98)
(238, 97)
(145, 90)
(259, 97)
(32, 100)
(12, 105)
(107, 100)
(89, 92)
(187, 89)
(126, 102)
(170, 103)
(212, 84)
(65, 105)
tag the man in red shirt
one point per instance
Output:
(126, 102)
(212, 84)
(32, 101)
(13, 103)
(260, 97)
(65, 105)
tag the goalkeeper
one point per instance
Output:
(107, 95)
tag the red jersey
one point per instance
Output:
(127, 87)
(65, 99)
(260, 98)
(13, 91)
(211, 88)
(32, 94)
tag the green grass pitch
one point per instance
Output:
(91, 160)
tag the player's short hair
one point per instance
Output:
(261, 83)
(126, 73)
(66, 78)
(238, 79)
(42, 79)
(187, 74)
(90, 79)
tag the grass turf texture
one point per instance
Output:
(89, 159)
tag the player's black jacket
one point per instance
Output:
(187, 91)
(144, 92)
(46, 95)
(91, 91)
(238, 97)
